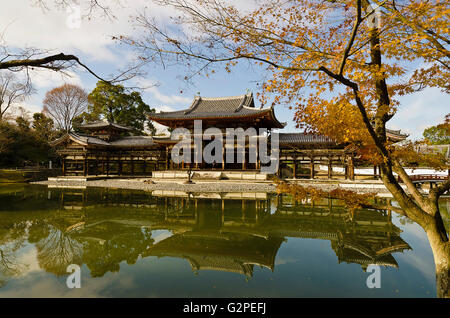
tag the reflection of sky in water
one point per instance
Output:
(303, 268)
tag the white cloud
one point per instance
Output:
(419, 111)
(58, 30)
(49, 79)
(169, 99)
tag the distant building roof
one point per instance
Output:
(302, 138)
(305, 139)
(104, 124)
(234, 107)
(395, 135)
(124, 142)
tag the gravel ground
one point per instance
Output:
(217, 186)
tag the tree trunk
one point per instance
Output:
(433, 226)
(441, 254)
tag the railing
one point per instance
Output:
(426, 177)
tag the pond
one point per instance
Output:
(172, 244)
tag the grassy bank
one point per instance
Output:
(25, 175)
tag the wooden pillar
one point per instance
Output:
(107, 166)
(352, 169)
(294, 170)
(223, 157)
(132, 165)
(312, 168)
(63, 166)
(144, 166)
(330, 168)
(345, 160)
(375, 172)
(84, 166)
(120, 167)
(167, 159)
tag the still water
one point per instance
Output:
(167, 244)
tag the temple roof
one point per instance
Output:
(232, 252)
(395, 135)
(305, 139)
(123, 142)
(103, 125)
(234, 107)
(301, 138)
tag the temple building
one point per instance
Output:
(102, 149)
(106, 148)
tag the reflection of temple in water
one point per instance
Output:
(229, 232)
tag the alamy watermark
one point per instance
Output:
(227, 146)
(374, 279)
(74, 279)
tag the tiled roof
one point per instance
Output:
(88, 140)
(133, 141)
(395, 132)
(396, 135)
(220, 107)
(301, 138)
(104, 124)
(124, 142)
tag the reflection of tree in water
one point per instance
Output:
(105, 228)
(57, 250)
(12, 239)
(105, 250)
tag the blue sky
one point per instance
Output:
(25, 25)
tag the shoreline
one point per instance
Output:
(147, 184)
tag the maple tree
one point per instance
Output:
(340, 64)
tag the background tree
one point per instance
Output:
(113, 103)
(340, 64)
(44, 128)
(439, 134)
(21, 146)
(63, 104)
(12, 91)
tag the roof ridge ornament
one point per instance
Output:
(241, 105)
(194, 104)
